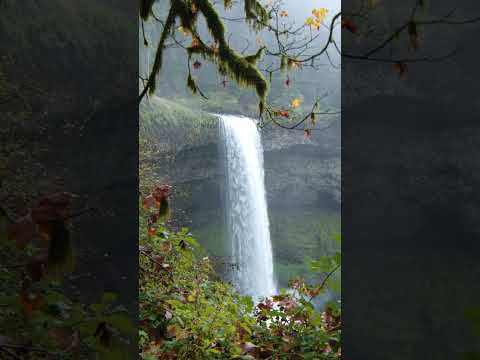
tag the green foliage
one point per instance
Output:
(187, 312)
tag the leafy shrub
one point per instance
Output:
(187, 312)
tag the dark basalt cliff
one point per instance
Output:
(299, 171)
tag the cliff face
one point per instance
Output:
(299, 171)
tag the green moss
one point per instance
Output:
(171, 125)
(229, 62)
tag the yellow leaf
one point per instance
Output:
(320, 14)
(191, 298)
(296, 103)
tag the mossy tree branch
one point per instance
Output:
(230, 63)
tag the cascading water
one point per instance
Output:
(246, 207)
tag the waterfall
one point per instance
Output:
(246, 207)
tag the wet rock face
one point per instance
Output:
(298, 176)
(299, 171)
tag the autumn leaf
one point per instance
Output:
(282, 113)
(296, 103)
(401, 69)
(287, 82)
(349, 25)
(195, 44)
(162, 192)
(294, 64)
(197, 65)
(320, 13)
(313, 23)
(149, 202)
(307, 133)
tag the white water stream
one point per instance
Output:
(246, 207)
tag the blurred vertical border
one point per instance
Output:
(68, 179)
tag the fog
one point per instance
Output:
(307, 83)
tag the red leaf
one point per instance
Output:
(162, 192)
(149, 202)
(348, 25)
(197, 64)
